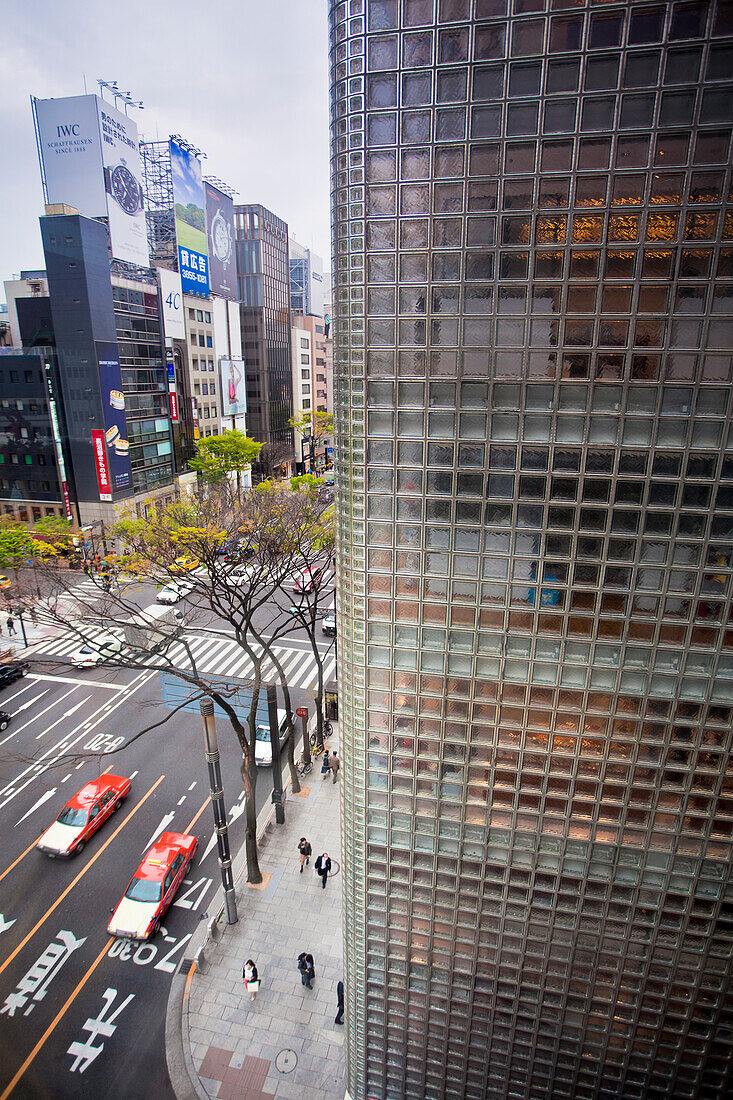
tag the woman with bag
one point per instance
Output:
(251, 978)
(305, 852)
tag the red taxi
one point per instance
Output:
(83, 814)
(307, 579)
(153, 887)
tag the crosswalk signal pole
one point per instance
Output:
(206, 706)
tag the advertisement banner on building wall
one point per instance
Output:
(232, 386)
(69, 142)
(102, 465)
(123, 174)
(190, 216)
(174, 404)
(220, 233)
(117, 445)
(172, 298)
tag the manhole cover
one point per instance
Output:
(286, 1061)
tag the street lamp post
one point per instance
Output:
(206, 706)
(278, 795)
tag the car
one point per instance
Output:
(307, 579)
(263, 744)
(5, 582)
(328, 625)
(153, 887)
(12, 671)
(173, 592)
(184, 564)
(97, 651)
(83, 814)
(4, 720)
(242, 573)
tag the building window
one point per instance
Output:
(305, 359)
(205, 388)
(202, 340)
(304, 342)
(306, 389)
(306, 403)
(209, 342)
(211, 364)
(207, 318)
(192, 315)
(199, 315)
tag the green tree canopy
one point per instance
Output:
(217, 456)
(317, 424)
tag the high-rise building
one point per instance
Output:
(533, 286)
(310, 392)
(306, 280)
(264, 292)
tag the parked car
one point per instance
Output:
(263, 744)
(96, 652)
(173, 592)
(328, 625)
(4, 720)
(12, 671)
(153, 887)
(5, 582)
(83, 814)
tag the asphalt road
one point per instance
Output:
(82, 1014)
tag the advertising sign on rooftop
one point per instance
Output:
(190, 217)
(220, 228)
(91, 161)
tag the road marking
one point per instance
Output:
(37, 805)
(81, 874)
(35, 699)
(162, 826)
(71, 680)
(21, 856)
(59, 1015)
(4, 924)
(188, 828)
(9, 698)
(35, 717)
(66, 714)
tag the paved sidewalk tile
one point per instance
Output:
(283, 1045)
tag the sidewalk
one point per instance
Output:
(284, 1045)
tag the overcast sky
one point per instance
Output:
(244, 80)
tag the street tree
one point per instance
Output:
(313, 425)
(232, 594)
(219, 456)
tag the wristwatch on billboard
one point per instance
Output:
(221, 237)
(120, 183)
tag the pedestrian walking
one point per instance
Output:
(325, 765)
(323, 866)
(307, 969)
(334, 764)
(251, 978)
(34, 616)
(340, 1001)
(305, 852)
(11, 626)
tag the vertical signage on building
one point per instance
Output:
(58, 448)
(190, 216)
(232, 386)
(91, 161)
(172, 298)
(220, 233)
(117, 446)
(174, 404)
(101, 464)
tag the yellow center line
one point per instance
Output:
(84, 870)
(31, 846)
(72, 997)
(194, 819)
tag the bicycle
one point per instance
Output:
(327, 731)
(316, 750)
(304, 768)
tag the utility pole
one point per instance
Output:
(206, 706)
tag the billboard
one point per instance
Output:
(123, 173)
(70, 148)
(102, 465)
(220, 233)
(117, 446)
(172, 300)
(232, 385)
(188, 199)
(91, 161)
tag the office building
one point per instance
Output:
(533, 282)
(306, 280)
(261, 243)
(309, 387)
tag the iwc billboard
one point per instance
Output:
(91, 161)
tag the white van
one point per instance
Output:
(263, 745)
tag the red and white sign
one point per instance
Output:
(174, 404)
(302, 712)
(67, 499)
(100, 461)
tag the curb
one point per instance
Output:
(184, 1077)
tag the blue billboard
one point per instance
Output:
(116, 443)
(190, 217)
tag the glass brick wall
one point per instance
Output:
(533, 279)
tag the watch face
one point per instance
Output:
(125, 189)
(221, 238)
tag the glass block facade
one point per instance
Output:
(533, 279)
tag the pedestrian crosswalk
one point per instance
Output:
(214, 655)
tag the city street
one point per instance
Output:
(83, 1010)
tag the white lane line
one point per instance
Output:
(181, 800)
(66, 714)
(192, 786)
(37, 805)
(83, 683)
(68, 776)
(9, 698)
(48, 759)
(35, 717)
